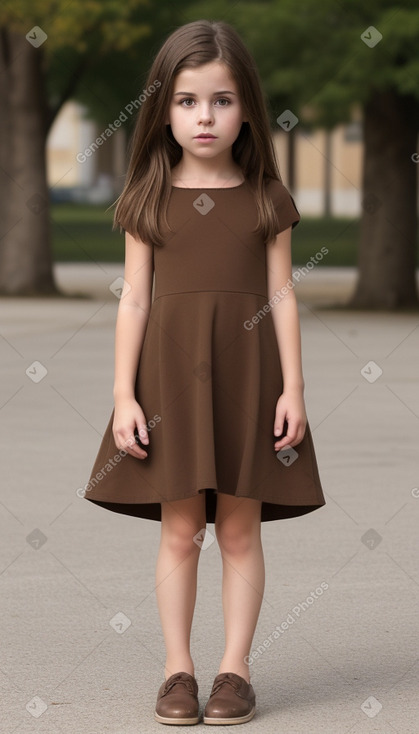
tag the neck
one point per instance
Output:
(209, 172)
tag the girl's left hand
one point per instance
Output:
(290, 407)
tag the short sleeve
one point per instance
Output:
(284, 205)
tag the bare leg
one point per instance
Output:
(238, 533)
(176, 578)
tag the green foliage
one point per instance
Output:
(82, 35)
(114, 79)
(76, 24)
(311, 56)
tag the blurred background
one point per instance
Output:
(340, 79)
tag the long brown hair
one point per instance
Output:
(141, 208)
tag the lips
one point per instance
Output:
(205, 135)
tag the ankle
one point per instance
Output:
(239, 668)
(179, 666)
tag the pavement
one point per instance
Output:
(81, 642)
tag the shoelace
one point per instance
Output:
(177, 680)
(221, 683)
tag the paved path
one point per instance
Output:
(80, 636)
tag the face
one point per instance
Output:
(205, 100)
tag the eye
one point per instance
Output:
(223, 100)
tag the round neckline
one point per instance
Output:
(208, 188)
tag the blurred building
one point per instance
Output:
(87, 162)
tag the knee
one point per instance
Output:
(234, 540)
(181, 540)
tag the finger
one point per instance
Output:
(279, 423)
(137, 453)
(289, 438)
(282, 444)
(130, 446)
(295, 435)
(301, 434)
(142, 433)
(292, 431)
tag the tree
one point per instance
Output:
(46, 46)
(323, 59)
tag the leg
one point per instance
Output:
(237, 527)
(176, 578)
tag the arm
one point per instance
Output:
(290, 405)
(131, 324)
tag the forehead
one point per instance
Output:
(213, 76)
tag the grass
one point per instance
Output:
(84, 233)
(339, 235)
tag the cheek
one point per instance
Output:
(235, 121)
(173, 115)
(176, 115)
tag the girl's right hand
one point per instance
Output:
(128, 416)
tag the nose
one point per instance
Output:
(205, 114)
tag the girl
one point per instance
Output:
(209, 423)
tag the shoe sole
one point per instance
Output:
(236, 720)
(176, 721)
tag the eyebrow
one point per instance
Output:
(192, 94)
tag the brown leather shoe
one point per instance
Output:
(232, 700)
(177, 700)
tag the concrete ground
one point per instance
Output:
(82, 649)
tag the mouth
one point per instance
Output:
(205, 136)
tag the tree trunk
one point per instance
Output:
(4, 130)
(387, 250)
(327, 191)
(25, 245)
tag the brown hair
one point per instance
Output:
(141, 208)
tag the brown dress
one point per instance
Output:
(209, 377)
